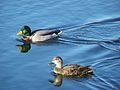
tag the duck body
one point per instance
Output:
(43, 35)
(70, 69)
(39, 35)
(73, 70)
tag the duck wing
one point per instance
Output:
(71, 66)
(71, 69)
(74, 69)
(43, 32)
(35, 31)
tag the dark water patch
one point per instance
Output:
(101, 84)
(89, 24)
(87, 30)
(110, 46)
(108, 61)
(106, 21)
(91, 34)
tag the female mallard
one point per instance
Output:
(71, 69)
(37, 35)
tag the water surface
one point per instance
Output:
(91, 31)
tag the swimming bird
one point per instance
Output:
(39, 35)
(70, 69)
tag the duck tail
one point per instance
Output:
(88, 66)
(58, 32)
(90, 71)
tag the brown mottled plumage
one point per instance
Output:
(70, 69)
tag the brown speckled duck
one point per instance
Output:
(71, 69)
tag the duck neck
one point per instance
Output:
(30, 38)
(58, 68)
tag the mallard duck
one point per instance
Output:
(38, 35)
(71, 69)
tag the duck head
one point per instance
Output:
(57, 61)
(25, 30)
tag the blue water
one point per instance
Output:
(91, 31)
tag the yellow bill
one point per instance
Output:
(19, 33)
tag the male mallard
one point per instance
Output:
(38, 35)
(71, 69)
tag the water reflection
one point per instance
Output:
(57, 81)
(25, 47)
(108, 44)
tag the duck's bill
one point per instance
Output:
(51, 63)
(19, 33)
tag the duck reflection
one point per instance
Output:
(57, 81)
(25, 47)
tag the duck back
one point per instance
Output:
(76, 70)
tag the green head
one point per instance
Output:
(24, 30)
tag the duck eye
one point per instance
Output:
(24, 31)
(59, 61)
